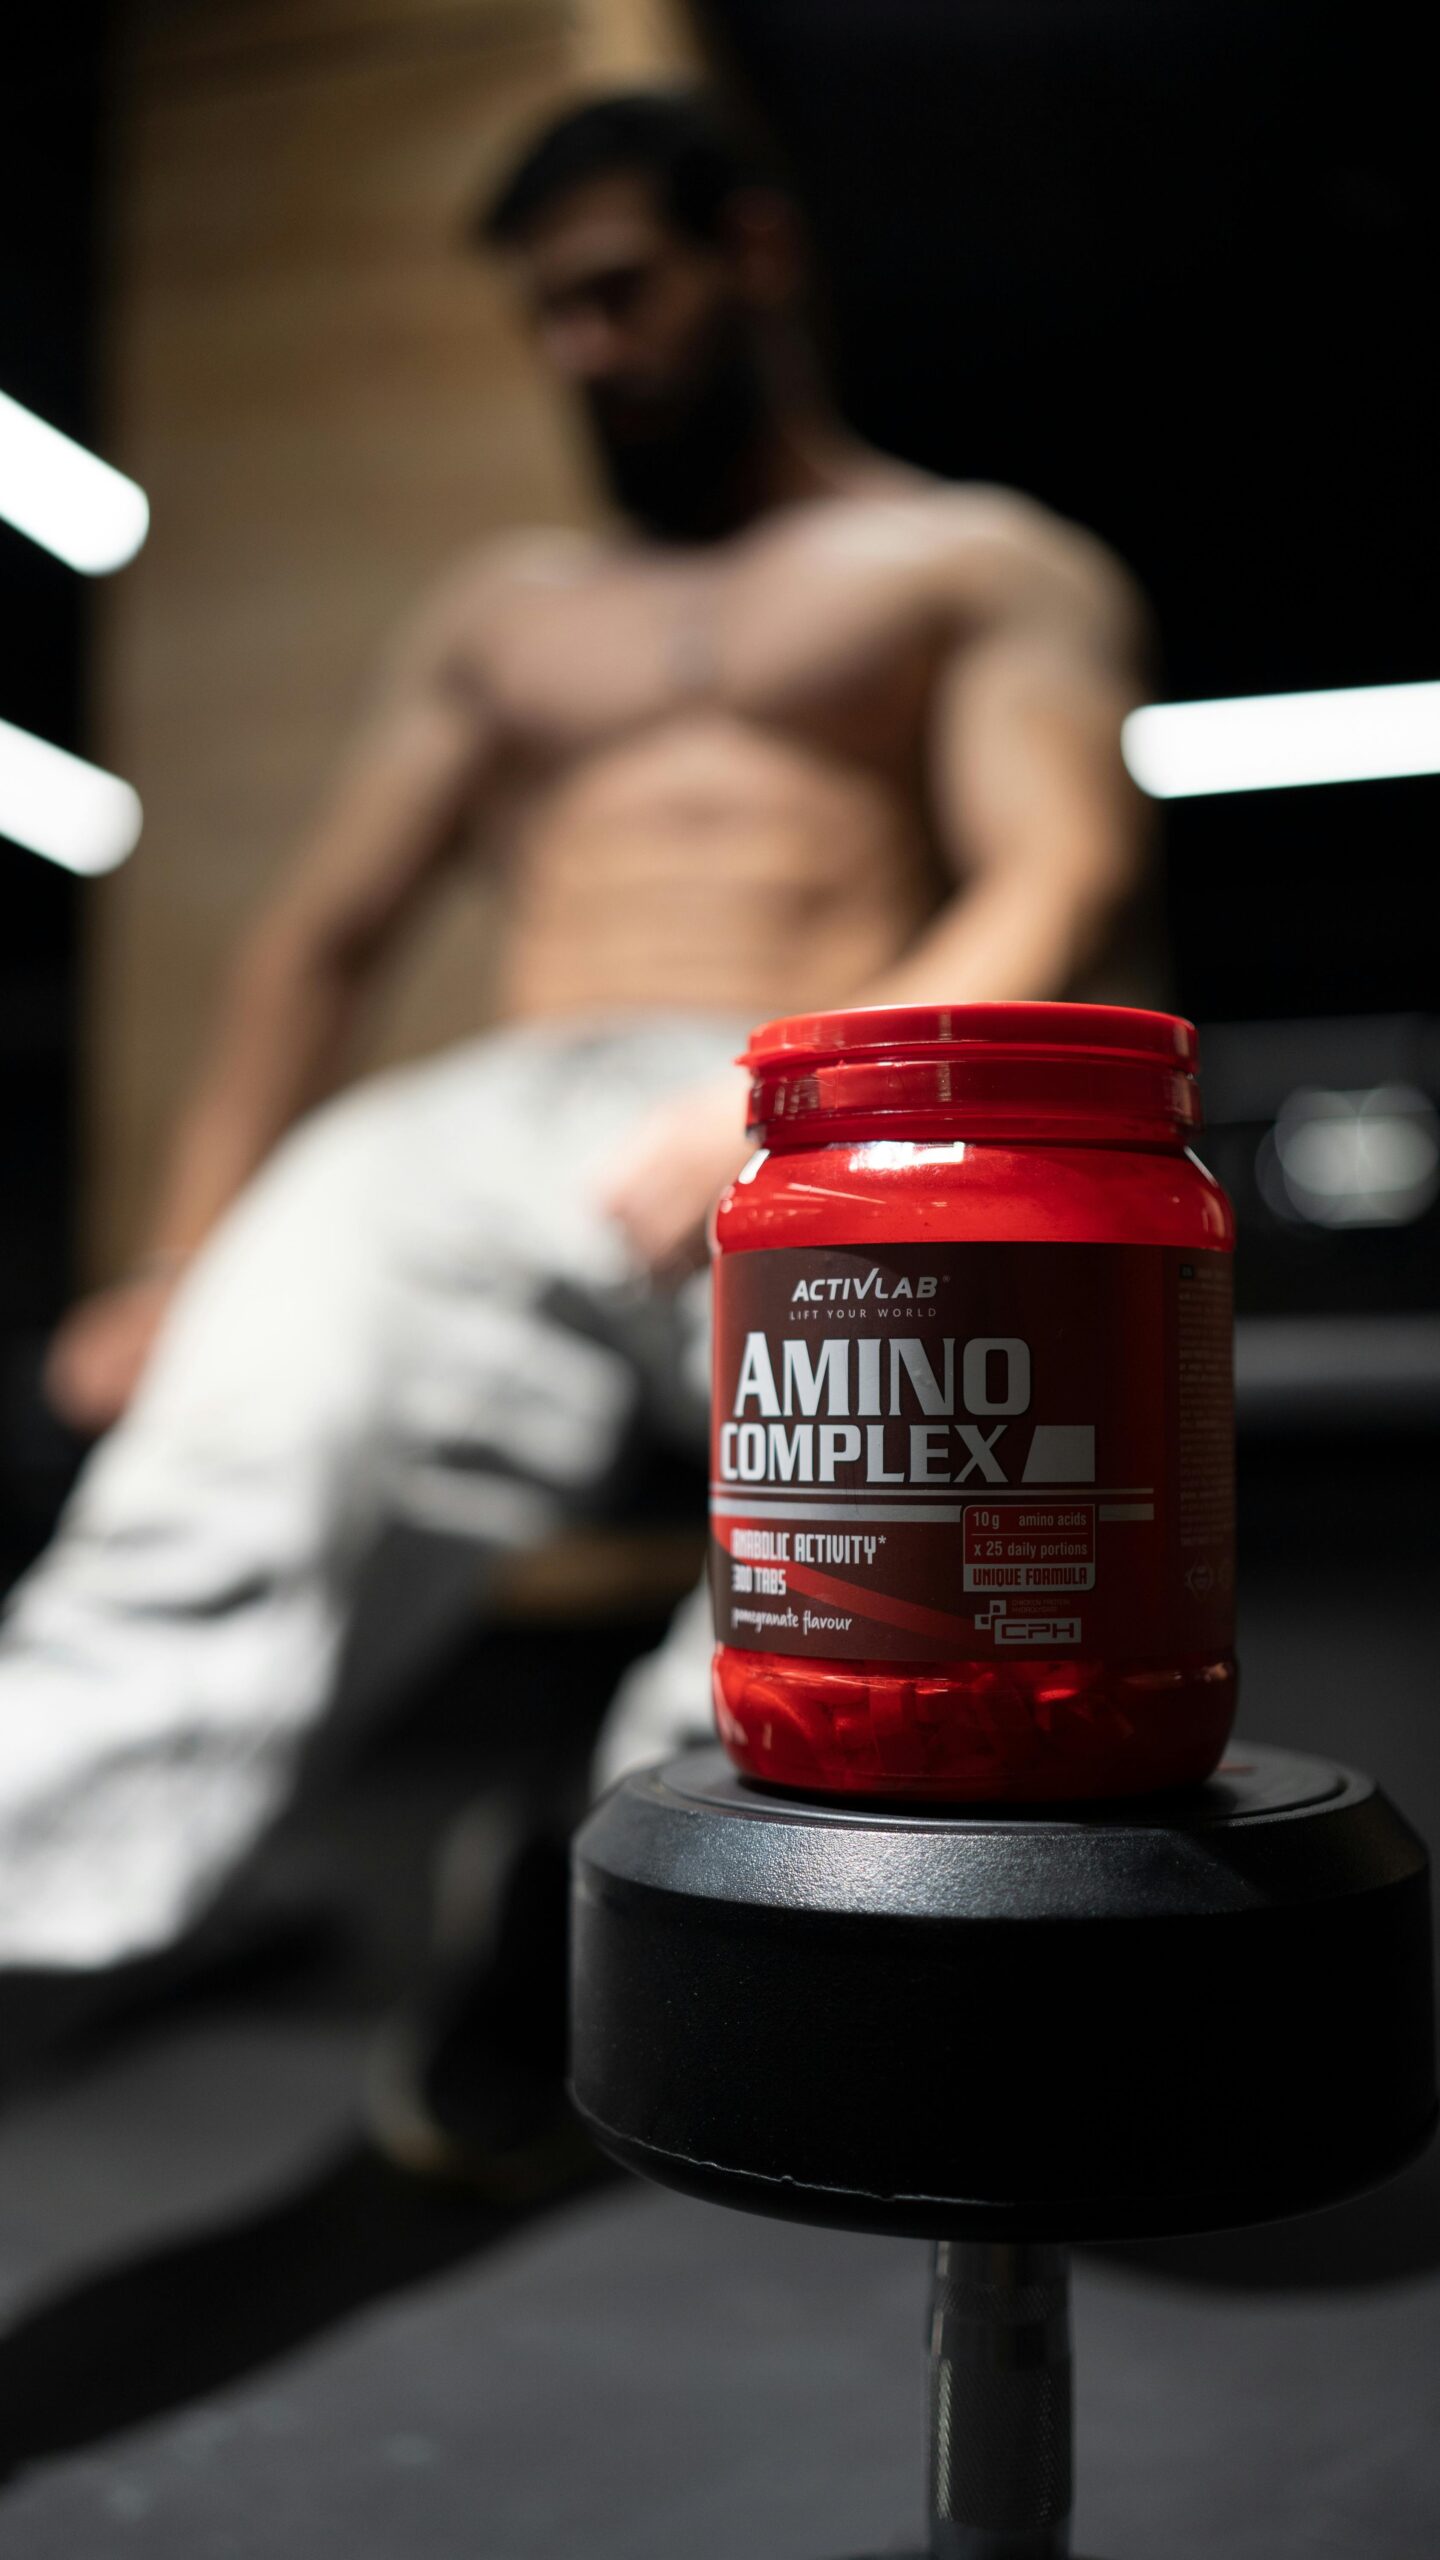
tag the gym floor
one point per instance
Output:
(229, 2330)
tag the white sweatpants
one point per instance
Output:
(415, 1312)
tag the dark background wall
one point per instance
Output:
(1167, 266)
(49, 126)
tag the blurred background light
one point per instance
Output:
(1276, 741)
(57, 805)
(84, 510)
(1369, 1159)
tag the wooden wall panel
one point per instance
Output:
(325, 396)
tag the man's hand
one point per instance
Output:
(99, 1349)
(661, 1188)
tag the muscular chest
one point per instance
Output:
(831, 662)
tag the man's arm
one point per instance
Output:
(299, 982)
(1046, 834)
(297, 986)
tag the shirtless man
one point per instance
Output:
(806, 728)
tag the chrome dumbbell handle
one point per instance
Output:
(1001, 2469)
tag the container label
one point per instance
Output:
(950, 1452)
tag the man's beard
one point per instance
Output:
(686, 474)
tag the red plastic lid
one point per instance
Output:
(1084, 1071)
(1101, 1029)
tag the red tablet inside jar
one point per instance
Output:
(973, 1444)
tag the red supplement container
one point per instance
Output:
(972, 1463)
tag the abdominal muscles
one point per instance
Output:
(710, 864)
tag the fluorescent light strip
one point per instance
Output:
(1277, 741)
(70, 501)
(57, 805)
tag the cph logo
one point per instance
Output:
(1007, 1630)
